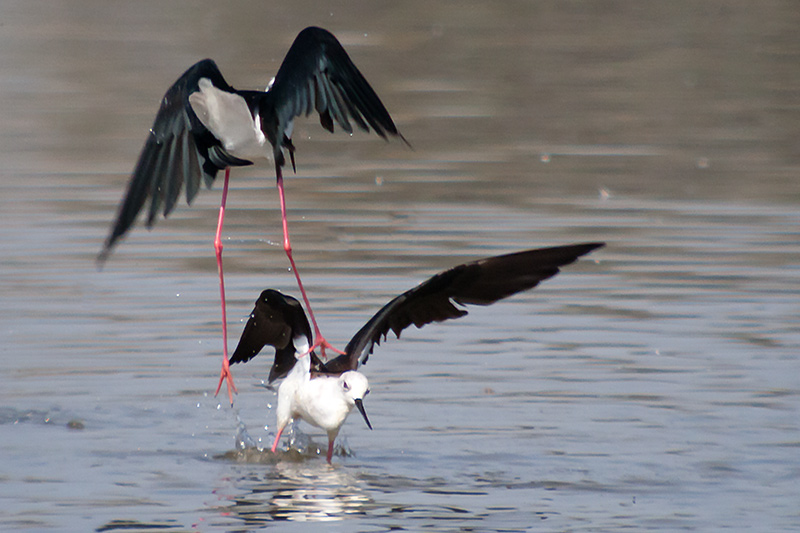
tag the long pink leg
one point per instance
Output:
(319, 340)
(277, 438)
(330, 450)
(225, 373)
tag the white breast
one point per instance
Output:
(321, 403)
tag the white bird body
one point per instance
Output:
(324, 401)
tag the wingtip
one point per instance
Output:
(592, 246)
(101, 258)
(114, 237)
(405, 141)
(576, 251)
(386, 133)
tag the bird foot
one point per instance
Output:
(225, 375)
(323, 345)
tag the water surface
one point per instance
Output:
(651, 386)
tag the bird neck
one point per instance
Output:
(303, 365)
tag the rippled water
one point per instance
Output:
(652, 386)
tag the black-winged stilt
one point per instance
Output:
(204, 125)
(324, 393)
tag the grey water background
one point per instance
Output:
(652, 386)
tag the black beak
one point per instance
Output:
(360, 405)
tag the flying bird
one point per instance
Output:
(324, 393)
(204, 125)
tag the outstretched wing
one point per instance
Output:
(317, 74)
(480, 282)
(179, 151)
(272, 322)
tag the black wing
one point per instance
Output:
(480, 282)
(276, 321)
(317, 74)
(179, 151)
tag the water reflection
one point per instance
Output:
(297, 490)
(297, 485)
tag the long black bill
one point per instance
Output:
(360, 405)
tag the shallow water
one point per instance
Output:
(651, 386)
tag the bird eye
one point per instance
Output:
(345, 386)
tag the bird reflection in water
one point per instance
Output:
(307, 491)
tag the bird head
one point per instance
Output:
(355, 387)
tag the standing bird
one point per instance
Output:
(204, 125)
(324, 393)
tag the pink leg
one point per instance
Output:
(277, 438)
(330, 450)
(225, 373)
(319, 340)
